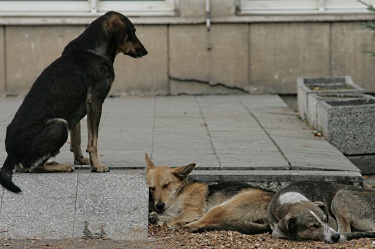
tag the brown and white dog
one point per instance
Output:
(322, 211)
(198, 206)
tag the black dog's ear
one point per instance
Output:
(184, 171)
(287, 225)
(323, 206)
(114, 23)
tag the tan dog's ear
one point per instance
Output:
(149, 164)
(184, 171)
(324, 208)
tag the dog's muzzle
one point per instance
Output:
(160, 207)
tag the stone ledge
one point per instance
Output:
(54, 206)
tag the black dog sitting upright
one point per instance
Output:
(73, 86)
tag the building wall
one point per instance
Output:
(237, 54)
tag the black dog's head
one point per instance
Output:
(122, 31)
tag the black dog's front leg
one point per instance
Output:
(75, 146)
(94, 112)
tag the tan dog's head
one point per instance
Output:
(308, 221)
(164, 183)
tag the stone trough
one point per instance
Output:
(349, 124)
(322, 85)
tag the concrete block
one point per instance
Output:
(73, 205)
(30, 49)
(188, 8)
(348, 43)
(2, 61)
(188, 56)
(229, 60)
(198, 55)
(45, 207)
(147, 75)
(349, 124)
(223, 8)
(201, 88)
(326, 85)
(112, 205)
(271, 179)
(281, 52)
(313, 100)
(364, 162)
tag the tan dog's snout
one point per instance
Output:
(160, 207)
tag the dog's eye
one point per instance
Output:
(151, 189)
(166, 185)
(316, 225)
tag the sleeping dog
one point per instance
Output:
(197, 206)
(73, 86)
(322, 211)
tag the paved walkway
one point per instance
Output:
(254, 138)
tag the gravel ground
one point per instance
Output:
(163, 238)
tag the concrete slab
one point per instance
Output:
(284, 51)
(347, 57)
(54, 206)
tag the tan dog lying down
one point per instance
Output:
(198, 206)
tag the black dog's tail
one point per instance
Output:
(358, 235)
(6, 174)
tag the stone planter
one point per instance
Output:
(326, 85)
(314, 99)
(349, 124)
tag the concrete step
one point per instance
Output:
(79, 204)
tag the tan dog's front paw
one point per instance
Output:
(100, 168)
(82, 161)
(153, 218)
(175, 224)
(69, 168)
(192, 227)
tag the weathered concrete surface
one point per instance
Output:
(237, 54)
(79, 204)
(199, 88)
(229, 61)
(188, 8)
(196, 54)
(223, 8)
(281, 52)
(348, 43)
(30, 49)
(188, 55)
(2, 61)
(146, 75)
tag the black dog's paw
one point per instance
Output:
(153, 218)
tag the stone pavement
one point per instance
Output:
(254, 138)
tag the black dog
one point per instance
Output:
(73, 86)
